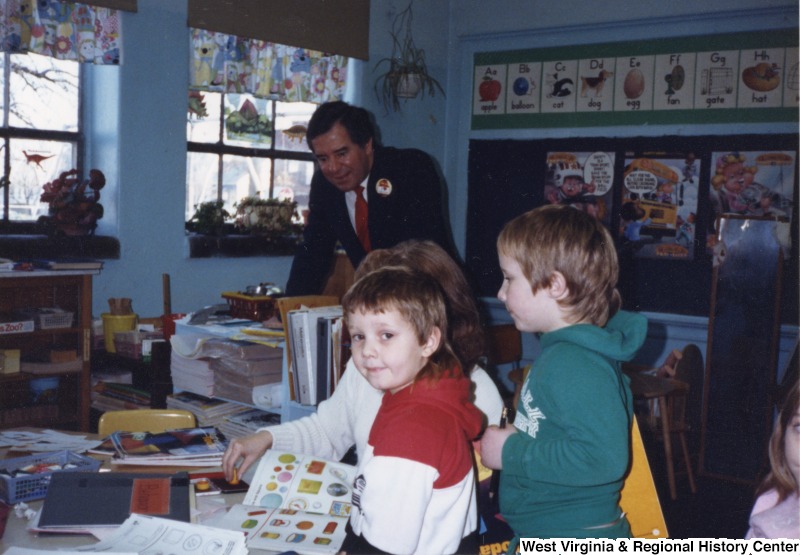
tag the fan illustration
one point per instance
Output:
(675, 79)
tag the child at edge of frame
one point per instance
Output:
(564, 460)
(419, 453)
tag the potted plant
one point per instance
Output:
(209, 218)
(74, 203)
(271, 218)
(406, 72)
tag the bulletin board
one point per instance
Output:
(668, 267)
(741, 77)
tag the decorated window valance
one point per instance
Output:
(225, 63)
(61, 30)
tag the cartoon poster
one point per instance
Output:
(582, 180)
(659, 206)
(752, 183)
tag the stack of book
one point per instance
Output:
(108, 396)
(246, 422)
(202, 446)
(209, 412)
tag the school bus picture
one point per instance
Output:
(659, 206)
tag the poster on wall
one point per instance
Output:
(583, 180)
(756, 183)
(658, 209)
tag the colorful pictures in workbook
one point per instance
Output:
(582, 180)
(658, 209)
(752, 183)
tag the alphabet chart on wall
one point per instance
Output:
(709, 79)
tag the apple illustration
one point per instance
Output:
(489, 89)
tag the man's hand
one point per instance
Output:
(249, 449)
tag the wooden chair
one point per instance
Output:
(504, 346)
(668, 399)
(639, 498)
(145, 420)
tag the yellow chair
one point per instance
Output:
(145, 420)
(639, 498)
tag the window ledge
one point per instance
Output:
(18, 247)
(230, 246)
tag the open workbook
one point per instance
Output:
(295, 503)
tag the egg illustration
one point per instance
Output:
(633, 87)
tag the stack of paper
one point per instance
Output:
(192, 374)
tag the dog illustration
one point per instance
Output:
(595, 84)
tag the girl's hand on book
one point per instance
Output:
(249, 449)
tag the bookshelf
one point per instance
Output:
(67, 404)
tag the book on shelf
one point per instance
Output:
(67, 264)
(286, 305)
(304, 334)
(79, 500)
(295, 503)
(247, 421)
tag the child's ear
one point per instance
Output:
(558, 286)
(432, 343)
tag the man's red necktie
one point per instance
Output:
(362, 227)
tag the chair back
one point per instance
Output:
(686, 408)
(504, 345)
(145, 420)
(639, 498)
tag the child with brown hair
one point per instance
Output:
(418, 455)
(776, 513)
(565, 458)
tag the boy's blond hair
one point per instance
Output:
(559, 238)
(418, 299)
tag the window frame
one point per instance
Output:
(7, 133)
(221, 149)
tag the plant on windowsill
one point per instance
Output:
(407, 73)
(209, 218)
(273, 219)
(74, 203)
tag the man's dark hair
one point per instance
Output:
(356, 120)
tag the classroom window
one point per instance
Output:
(240, 146)
(40, 135)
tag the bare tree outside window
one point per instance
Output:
(40, 133)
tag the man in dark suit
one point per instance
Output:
(402, 189)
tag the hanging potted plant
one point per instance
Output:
(406, 72)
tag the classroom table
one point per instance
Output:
(16, 533)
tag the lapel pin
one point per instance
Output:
(383, 187)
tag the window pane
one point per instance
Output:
(244, 177)
(293, 180)
(201, 180)
(44, 93)
(291, 122)
(2, 96)
(34, 163)
(248, 121)
(203, 125)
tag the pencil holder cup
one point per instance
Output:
(113, 323)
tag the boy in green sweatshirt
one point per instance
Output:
(565, 458)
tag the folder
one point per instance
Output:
(86, 500)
